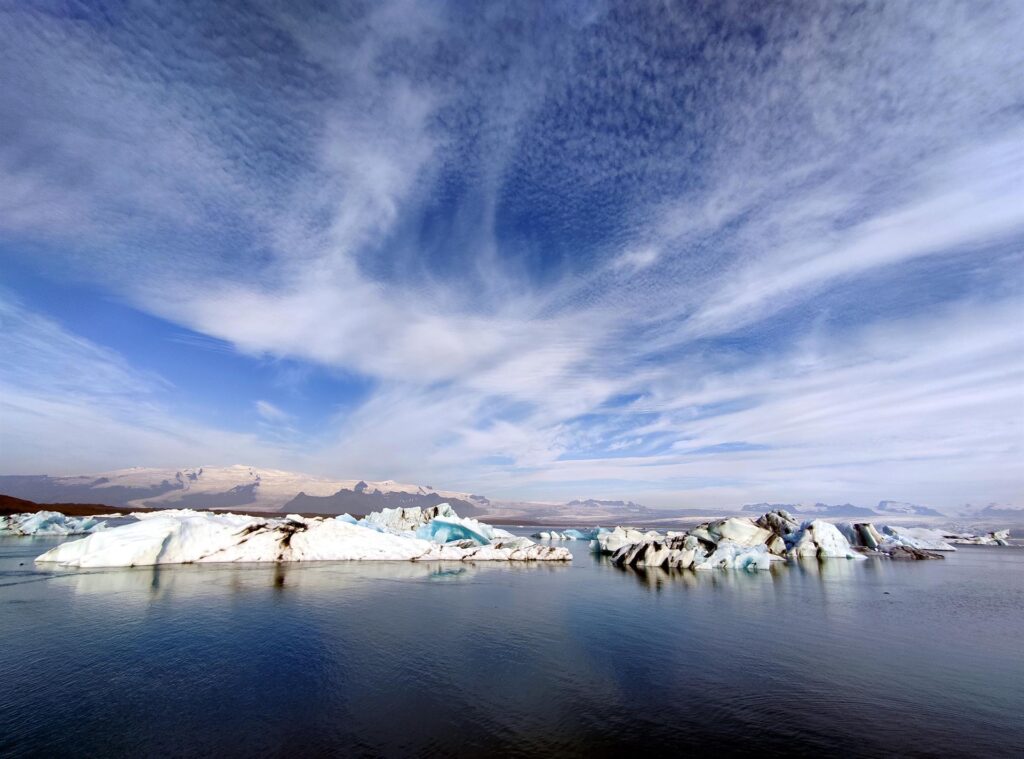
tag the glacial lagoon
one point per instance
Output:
(870, 658)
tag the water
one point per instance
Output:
(855, 658)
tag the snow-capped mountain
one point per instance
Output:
(239, 486)
(994, 511)
(818, 509)
(899, 508)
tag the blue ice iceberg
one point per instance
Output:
(448, 529)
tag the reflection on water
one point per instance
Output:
(141, 584)
(403, 658)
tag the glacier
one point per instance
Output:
(45, 523)
(185, 537)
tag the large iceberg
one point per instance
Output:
(733, 543)
(49, 523)
(743, 543)
(183, 537)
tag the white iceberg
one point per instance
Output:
(897, 541)
(688, 552)
(570, 534)
(399, 520)
(734, 543)
(917, 537)
(49, 523)
(731, 555)
(821, 539)
(744, 532)
(995, 538)
(612, 540)
(182, 537)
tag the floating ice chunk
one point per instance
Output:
(401, 520)
(613, 540)
(731, 555)
(780, 522)
(548, 535)
(996, 538)
(574, 534)
(822, 539)
(571, 534)
(44, 523)
(201, 537)
(347, 518)
(448, 529)
(739, 530)
(918, 537)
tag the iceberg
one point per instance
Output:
(611, 541)
(821, 539)
(570, 534)
(450, 528)
(743, 532)
(995, 538)
(184, 537)
(919, 542)
(731, 555)
(686, 552)
(917, 537)
(401, 520)
(733, 543)
(49, 523)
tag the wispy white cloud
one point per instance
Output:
(692, 193)
(69, 406)
(270, 412)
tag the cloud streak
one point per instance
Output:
(677, 256)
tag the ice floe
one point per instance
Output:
(570, 534)
(996, 538)
(755, 544)
(49, 523)
(613, 540)
(183, 536)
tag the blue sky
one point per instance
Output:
(684, 253)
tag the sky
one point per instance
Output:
(689, 254)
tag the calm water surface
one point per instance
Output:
(851, 658)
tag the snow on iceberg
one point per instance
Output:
(399, 520)
(49, 523)
(182, 537)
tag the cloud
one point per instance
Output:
(69, 406)
(636, 258)
(560, 248)
(270, 412)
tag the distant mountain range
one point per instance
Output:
(884, 508)
(240, 487)
(269, 490)
(248, 488)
